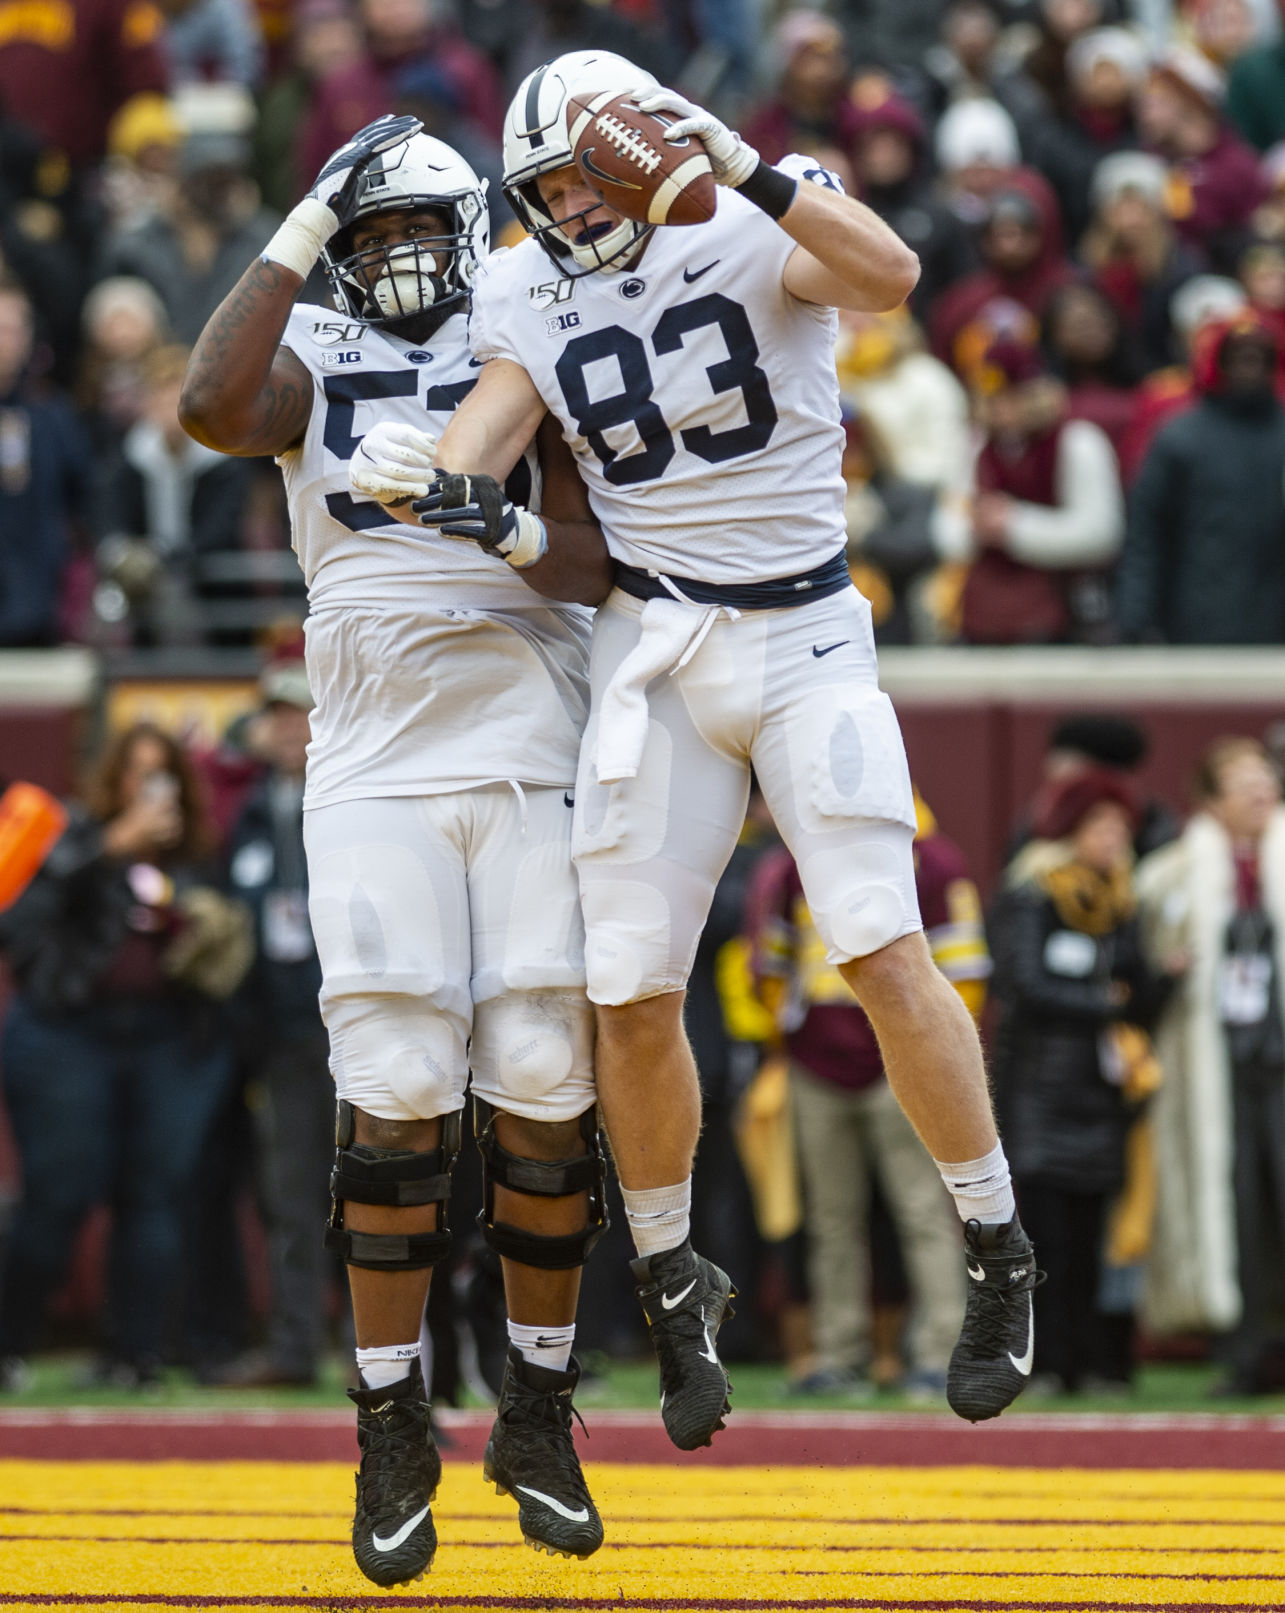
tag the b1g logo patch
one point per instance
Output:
(561, 322)
(336, 361)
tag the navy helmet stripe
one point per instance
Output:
(534, 133)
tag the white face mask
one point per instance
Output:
(408, 285)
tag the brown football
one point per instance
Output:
(622, 152)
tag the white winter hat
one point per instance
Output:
(976, 131)
(1116, 45)
(1129, 170)
(1205, 297)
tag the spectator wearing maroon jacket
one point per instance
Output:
(1047, 511)
(810, 110)
(849, 1127)
(1021, 247)
(1214, 179)
(1090, 354)
(398, 33)
(68, 66)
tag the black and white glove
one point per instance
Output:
(475, 508)
(332, 201)
(735, 164)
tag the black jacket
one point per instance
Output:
(1204, 555)
(1064, 1124)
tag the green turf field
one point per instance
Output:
(57, 1381)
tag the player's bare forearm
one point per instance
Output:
(850, 258)
(244, 393)
(576, 569)
(490, 430)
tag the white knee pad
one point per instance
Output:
(397, 1057)
(862, 895)
(532, 1054)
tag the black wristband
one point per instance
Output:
(770, 189)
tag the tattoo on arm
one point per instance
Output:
(243, 393)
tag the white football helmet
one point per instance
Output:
(536, 142)
(381, 285)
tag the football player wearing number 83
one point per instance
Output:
(692, 372)
(451, 692)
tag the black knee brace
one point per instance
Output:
(543, 1179)
(395, 1176)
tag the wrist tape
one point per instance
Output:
(297, 244)
(531, 543)
(770, 189)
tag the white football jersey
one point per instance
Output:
(433, 665)
(699, 397)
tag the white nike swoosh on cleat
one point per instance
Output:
(977, 1273)
(404, 1533)
(582, 1516)
(678, 1298)
(709, 1352)
(1023, 1363)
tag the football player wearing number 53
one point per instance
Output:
(451, 691)
(692, 372)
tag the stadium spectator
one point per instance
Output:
(1166, 392)
(1096, 742)
(1214, 183)
(1046, 69)
(891, 531)
(849, 1128)
(1262, 273)
(213, 41)
(1204, 558)
(1214, 904)
(1047, 513)
(915, 403)
(889, 164)
(193, 248)
(977, 153)
(1256, 94)
(44, 461)
(550, 27)
(124, 322)
(286, 1044)
(1089, 353)
(810, 110)
(140, 172)
(1022, 263)
(397, 33)
(65, 72)
(324, 38)
(968, 62)
(115, 1053)
(1105, 67)
(1069, 1063)
(1134, 253)
(1221, 30)
(164, 502)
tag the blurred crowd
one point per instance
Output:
(164, 1061)
(1074, 433)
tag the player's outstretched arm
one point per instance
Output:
(576, 566)
(848, 256)
(243, 392)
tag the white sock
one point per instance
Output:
(981, 1188)
(543, 1346)
(659, 1217)
(384, 1364)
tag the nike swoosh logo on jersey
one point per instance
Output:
(404, 1533)
(689, 276)
(819, 652)
(568, 798)
(1023, 1363)
(585, 159)
(977, 1273)
(475, 363)
(678, 1298)
(579, 1516)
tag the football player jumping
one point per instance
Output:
(450, 703)
(692, 372)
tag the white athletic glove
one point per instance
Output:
(731, 159)
(475, 508)
(331, 202)
(393, 463)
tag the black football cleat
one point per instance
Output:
(531, 1456)
(393, 1538)
(991, 1362)
(686, 1300)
